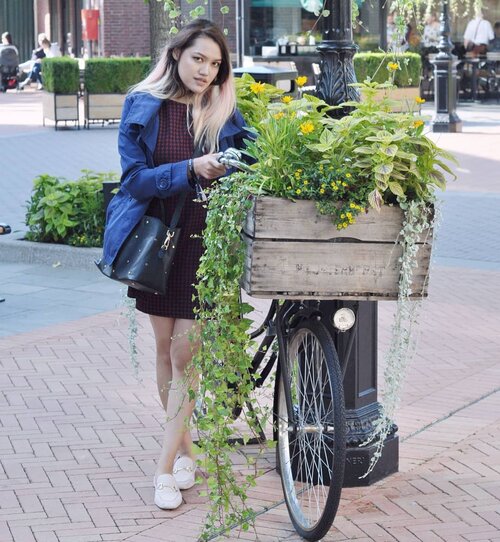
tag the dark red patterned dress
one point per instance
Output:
(175, 144)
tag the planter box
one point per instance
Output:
(60, 107)
(295, 253)
(404, 98)
(101, 107)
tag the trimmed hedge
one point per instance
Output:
(114, 75)
(61, 75)
(374, 65)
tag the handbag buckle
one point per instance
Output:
(168, 238)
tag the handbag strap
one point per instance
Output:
(177, 212)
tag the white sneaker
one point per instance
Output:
(184, 472)
(39, 86)
(167, 494)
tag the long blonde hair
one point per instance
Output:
(212, 108)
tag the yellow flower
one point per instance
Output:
(393, 66)
(342, 215)
(306, 182)
(345, 224)
(301, 80)
(348, 175)
(321, 190)
(288, 187)
(279, 115)
(298, 191)
(286, 99)
(419, 100)
(306, 127)
(418, 123)
(257, 88)
(344, 184)
(352, 205)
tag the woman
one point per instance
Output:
(46, 49)
(174, 125)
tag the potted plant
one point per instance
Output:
(61, 78)
(288, 226)
(107, 81)
(406, 71)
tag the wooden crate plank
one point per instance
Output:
(276, 218)
(327, 270)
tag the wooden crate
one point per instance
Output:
(295, 253)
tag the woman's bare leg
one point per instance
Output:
(179, 408)
(163, 329)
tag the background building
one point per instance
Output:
(124, 25)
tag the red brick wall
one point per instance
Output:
(125, 28)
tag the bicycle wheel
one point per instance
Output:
(311, 438)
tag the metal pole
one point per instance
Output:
(336, 52)
(360, 381)
(445, 80)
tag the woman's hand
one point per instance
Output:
(208, 166)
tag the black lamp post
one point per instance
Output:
(445, 80)
(336, 51)
(360, 343)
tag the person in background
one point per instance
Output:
(431, 35)
(494, 45)
(45, 50)
(478, 34)
(7, 41)
(175, 123)
(396, 38)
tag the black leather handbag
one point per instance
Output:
(145, 258)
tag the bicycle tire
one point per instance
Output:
(311, 441)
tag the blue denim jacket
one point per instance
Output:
(141, 181)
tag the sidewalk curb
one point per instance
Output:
(15, 249)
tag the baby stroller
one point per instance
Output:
(9, 68)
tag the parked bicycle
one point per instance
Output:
(308, 408)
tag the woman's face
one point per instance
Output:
(198, 65)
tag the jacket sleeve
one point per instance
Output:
(139, 179)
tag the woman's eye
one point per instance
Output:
(216, 64)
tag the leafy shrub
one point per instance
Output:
(61, 75)
(114, 75)
(373, 65)
(67, 212)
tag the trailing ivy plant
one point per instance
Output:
(223, 359)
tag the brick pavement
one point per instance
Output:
(80, 432)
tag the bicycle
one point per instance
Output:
(309, 417)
